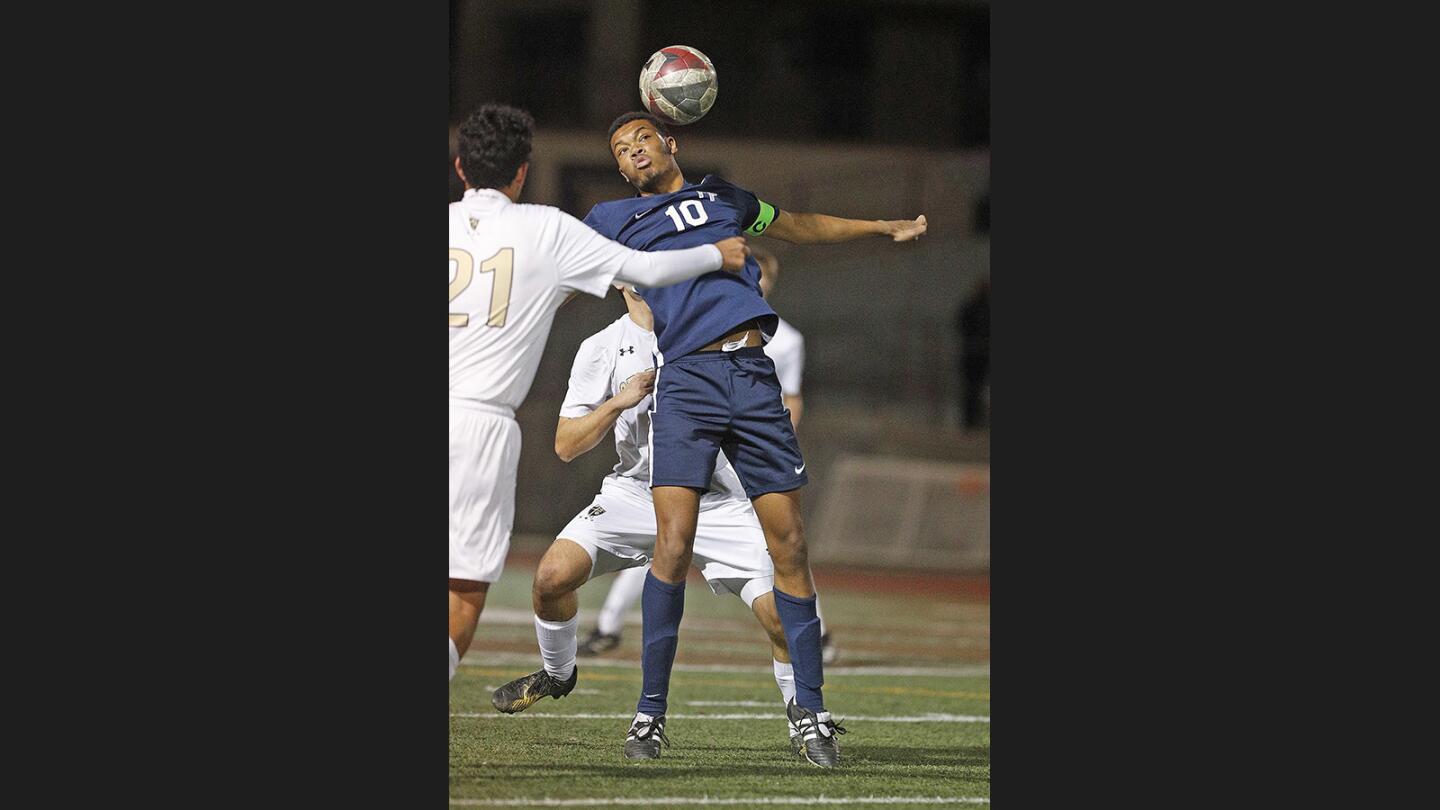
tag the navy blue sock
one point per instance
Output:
(802, 635)
(662, 605)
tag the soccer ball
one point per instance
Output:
(678, 84)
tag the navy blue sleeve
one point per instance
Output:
(755, 214)
(593, 219)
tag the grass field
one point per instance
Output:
(912, 686)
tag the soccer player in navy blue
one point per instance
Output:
(717, 390)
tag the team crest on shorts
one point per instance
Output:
(594, 511)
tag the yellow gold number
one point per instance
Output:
(502, 264)
(464, 272)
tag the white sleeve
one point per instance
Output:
(589, 380)
(588, 262)
(662, 268)
(790, 365)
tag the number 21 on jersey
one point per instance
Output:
(502, 264)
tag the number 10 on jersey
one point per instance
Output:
(693, 211)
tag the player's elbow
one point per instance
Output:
(565, 451)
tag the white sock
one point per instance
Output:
(785, 679)
(557, 645)
(819, 615)
(624, 593)
(454, 659)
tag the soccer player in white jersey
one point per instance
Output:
(610, 385)
(787, 349)
(511, 266)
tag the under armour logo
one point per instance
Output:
(630, 349)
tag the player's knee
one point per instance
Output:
(787, 547)
(551, 581)
(671, 546)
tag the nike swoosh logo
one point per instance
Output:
(641, 214)
(653, 696)
(800, 469)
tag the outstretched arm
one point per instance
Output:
(811, 229)
(664, 267)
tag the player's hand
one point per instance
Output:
(732, 253)
(903, 230)
(635, 388)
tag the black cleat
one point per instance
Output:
(817, 733)
(519, 694)
(643, 740)
(597, 643)
(828, 652)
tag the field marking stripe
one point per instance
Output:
(913, 691)
(482, 659)
(921, 718)
(706, 800)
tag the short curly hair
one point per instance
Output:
(656, 123)
(494, 141)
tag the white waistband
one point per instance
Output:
(482, 407)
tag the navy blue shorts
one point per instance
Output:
(706, 402)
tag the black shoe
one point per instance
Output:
(597, 643)
(817, 732)
(519, 694)
(828, 652)
(643, 741)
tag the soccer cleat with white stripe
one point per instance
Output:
(818, 732)
(646, 734)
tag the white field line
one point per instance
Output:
(481, 658)
(919, 718)
(706, 800)
(947, 629)
(749, 703)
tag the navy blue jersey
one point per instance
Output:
(694, 313)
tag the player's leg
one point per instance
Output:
(767, 458)
(564, 568)
(610, 623)
(592, 544)
(764, 609)
(662, 598)
(731, 554)
(779, 514)
(689, 413)
(467, 599)
(484, 457)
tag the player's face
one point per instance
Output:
(642, 155)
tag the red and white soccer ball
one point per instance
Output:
(678, 84)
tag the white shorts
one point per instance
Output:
(484, 456)
(617, 530)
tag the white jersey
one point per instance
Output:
(511, 267)
(606, 360)
(787, 349)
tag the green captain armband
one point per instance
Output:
(767, 216)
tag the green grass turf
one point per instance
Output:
(536, 755)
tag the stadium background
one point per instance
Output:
(860, 109)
